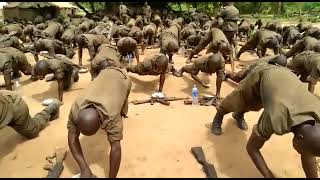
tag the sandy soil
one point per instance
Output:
(157, 139)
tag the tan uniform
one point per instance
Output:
(124, 49)
(95, 40)
(68, 35)
(169, 35)
(13, 60)
(307, 63)
(215, 36)
(62, 69)
(108, 53)
(133, 33)
(307, 43)
(52, 29)
(283, 109)
(239, 76)
(108, 93)
(15, 113)
(149, 66)
(259, 40)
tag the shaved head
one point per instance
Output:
(88, 121)
(41, 68)
(307, 139)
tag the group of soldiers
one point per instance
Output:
(272, 82)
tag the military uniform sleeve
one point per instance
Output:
(314, 75)
(7, 67)
(59, 74)
(114, 129)
(71, 124)
(264, 127)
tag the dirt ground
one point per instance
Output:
(157, 139)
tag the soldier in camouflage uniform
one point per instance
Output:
(15, 113)
(91, 42)
(169, 40)
(150, 33)
(274, 26)
(303, 26)
(239, 76)
(118, 32)
(284, 112)
(230, 16)
(54, 30)
(146, 9)
(244, 29)
(158, 64)
(106, 56)
(68, 35)
(137, 34)
(126, 46)
(65, 72)
(53, 47)
(307, 66)
(123, 12)
(313, 32)
(11, 41)
(218, 42)
(290, 36)
(86, 26)
(262, 40)
(102, 105)
(12, 62)
(306, 43)
(209, 63)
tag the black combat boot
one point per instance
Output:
(216, 124)
(241, 123)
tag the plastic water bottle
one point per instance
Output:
(195, 95)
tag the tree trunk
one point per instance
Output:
(82, 8)
(92, 7)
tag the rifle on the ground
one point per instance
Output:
(152, 100)
(207, 167)
(55, 169)
(205, 101)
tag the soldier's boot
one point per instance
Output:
(241, 123)
(216, 124)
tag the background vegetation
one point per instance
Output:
(307, 11)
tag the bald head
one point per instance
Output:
(88, 121)
(316, 48)
(280, 60)
(41, 68)
(272, 42)
(307, 139)
(172, 47)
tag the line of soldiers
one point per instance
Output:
(114, 41)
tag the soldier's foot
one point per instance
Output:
(216, 129)
(241, 123)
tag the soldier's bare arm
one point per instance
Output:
(254, 145)
(220, 77)
(309, 165)
(76, 151)
(60, 88)
(115, 159)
